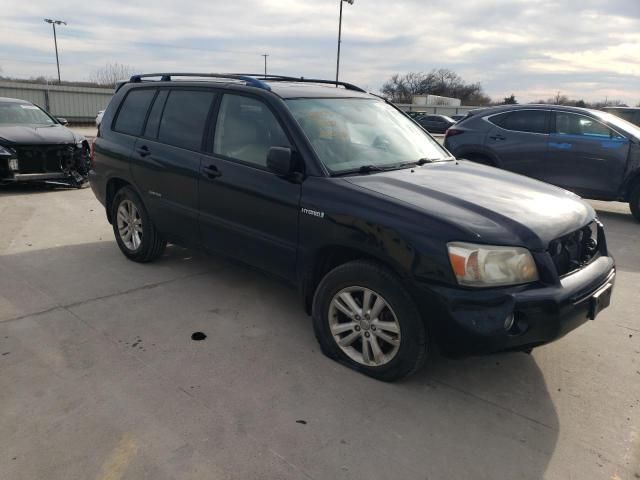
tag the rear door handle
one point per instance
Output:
(498, 137)
(143, 151)
(211, 171)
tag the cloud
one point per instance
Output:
(583, 48)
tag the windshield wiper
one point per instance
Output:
(362, 169)
(422, 161)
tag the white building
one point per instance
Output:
(435, 101)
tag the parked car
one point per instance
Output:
(435, 123)
(630, 114)
(592, 153)
(99, 117)
(394, 246)
(35, 146)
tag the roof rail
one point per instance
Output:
(251, 79)
(283, 78)
(166, 77)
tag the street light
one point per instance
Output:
(55, 39)
(350, 2)
(265, 55)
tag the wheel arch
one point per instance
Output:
(328, 257)
(470, 152)
(113, 186)
(630, 185)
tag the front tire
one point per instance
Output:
(135, 234)
(364, 318)
(634, 202)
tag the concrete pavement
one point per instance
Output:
(99, 377)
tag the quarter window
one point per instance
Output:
(246, 130)
(184, 118)
(574, 124)
(530, 121)
(134, 111)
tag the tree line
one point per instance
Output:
(402, 88)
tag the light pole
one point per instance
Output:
(350, 2)
(55, 40)
(265, 64)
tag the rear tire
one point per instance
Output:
(634, 202)
(135, 234)
(364, 318)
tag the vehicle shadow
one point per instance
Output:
(483, 417)
(31, 188)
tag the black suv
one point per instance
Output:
(396, 248)
(592, 153)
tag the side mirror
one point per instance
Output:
(280, 161)
(63, 121)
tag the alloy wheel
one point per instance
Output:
(129, 224)
(364, 326)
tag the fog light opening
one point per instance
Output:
(13, 164)
(509, 322)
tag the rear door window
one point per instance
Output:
(530, 121)
(133, 111)
(153, 122)
(184, 118)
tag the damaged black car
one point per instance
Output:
(37, 147)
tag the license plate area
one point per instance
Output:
(599, 301)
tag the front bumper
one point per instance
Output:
(63, 164)
(473, 321)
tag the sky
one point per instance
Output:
(586, 49)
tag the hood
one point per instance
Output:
(37, 135)
(486, 204)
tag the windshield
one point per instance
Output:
(23, 114)
(352, 133)
(619, 123)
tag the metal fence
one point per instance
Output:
(81, 104)
(76, 104)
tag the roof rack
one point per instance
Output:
(283, 78)
(250, 79)
(166, 77)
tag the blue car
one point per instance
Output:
(592, 153)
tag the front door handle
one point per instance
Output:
(211, 171)
(143, 151)
(498, 137)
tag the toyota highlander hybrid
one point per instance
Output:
(396, 247)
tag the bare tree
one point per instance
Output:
(111, 73)
(402, 88)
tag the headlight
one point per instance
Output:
(491, 266)
(5, 152)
